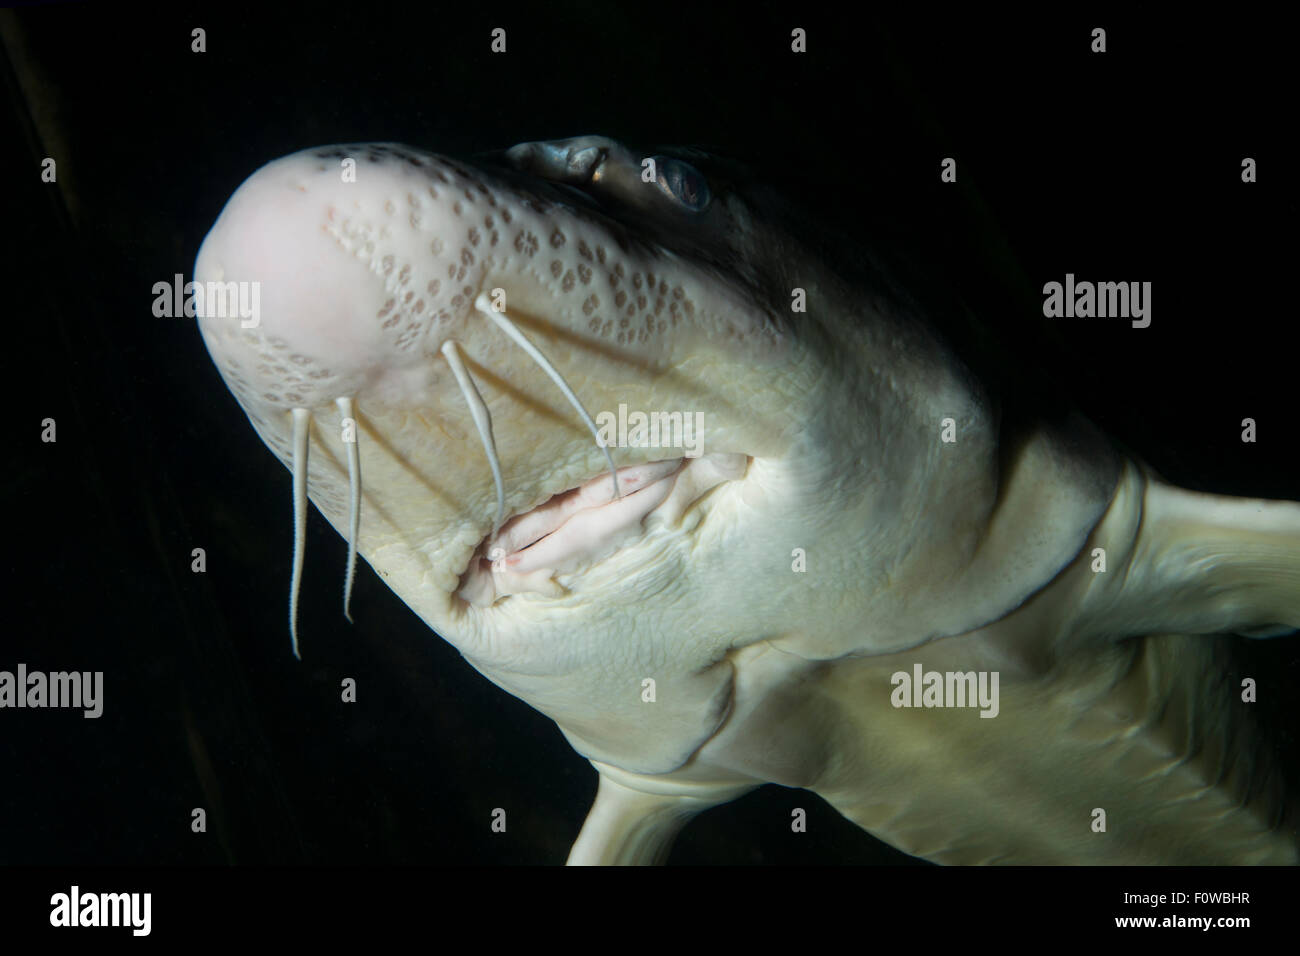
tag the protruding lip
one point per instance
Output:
(569, 524)
(524, 530)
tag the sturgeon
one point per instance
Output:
(441, 350)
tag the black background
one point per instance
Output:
(1122, 166)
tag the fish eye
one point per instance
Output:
(683, 183)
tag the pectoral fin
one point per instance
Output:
(1196, 563)
(630, 826)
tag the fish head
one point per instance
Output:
(824, 476)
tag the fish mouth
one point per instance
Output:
(582, 525)
(436, 306)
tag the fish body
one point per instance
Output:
(461, 364)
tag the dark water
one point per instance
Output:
(1122, 166)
